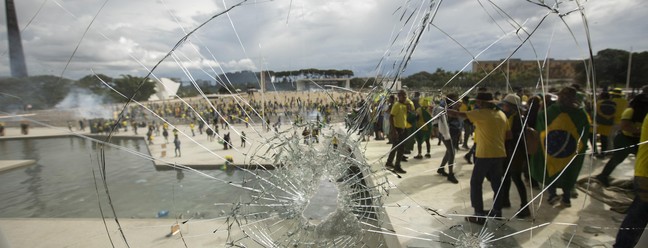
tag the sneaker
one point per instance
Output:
(554, 199)
(399, 170)
(442, 172)
(452, 179)
(418, 156)
(493, 213)
(428, 155)
(389, 166)
(467, 158)
(564, 204)
(476, 220)
(603, 180)
(524, 213)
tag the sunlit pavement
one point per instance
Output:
(425, 210)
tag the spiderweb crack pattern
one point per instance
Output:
(274, 190)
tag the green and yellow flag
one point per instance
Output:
(563, 141)
(605, 114)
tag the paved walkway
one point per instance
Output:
(408, 206)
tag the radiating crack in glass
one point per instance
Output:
(296, 168)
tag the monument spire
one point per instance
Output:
(16, 56)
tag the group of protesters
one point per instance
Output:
(213, 115)
(238, 110)
(544, 136)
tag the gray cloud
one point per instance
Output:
(288, 35)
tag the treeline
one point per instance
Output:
(313, 73)
(610, 67)
(292, 76)
(43, 92)
(461, 79)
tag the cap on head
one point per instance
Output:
(512, 99)
(485, 97)
(616, 91)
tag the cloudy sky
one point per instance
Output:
(370, 37)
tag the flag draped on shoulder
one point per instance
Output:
(563, 141)
(605, 114)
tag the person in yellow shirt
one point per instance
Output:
(636, 218)
(398, 124)
(490, 153)
(621, 102)
(627, 137)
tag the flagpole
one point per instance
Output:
(263, 116)
(629, 67)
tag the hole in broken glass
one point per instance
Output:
(323, 203)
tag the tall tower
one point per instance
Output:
(16, 56)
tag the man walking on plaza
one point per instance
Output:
(635, 221)
(176, 143)
(398, 124)
(490, 133)
(563, 131)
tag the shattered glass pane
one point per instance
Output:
(287, 187)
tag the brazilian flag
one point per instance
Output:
(605, 110)
(563, 142)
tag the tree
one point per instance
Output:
(639, 71)
(359, 82)
(610, 66)
(94, 84)
(54, 89)
(137, 88)
(41, 92)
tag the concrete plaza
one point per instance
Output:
(423, 208)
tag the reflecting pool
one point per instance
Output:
(65, 182)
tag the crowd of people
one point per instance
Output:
(542, 137)
(211, 117)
